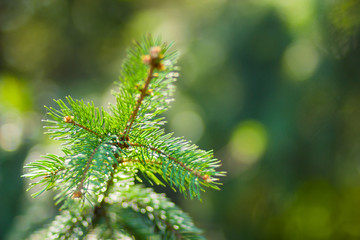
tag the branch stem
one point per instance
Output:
(204, 177)
(100, 210)
(81, 183)
(137, 161)
(139, 101)
(71, 121)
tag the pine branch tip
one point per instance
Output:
(154, 58)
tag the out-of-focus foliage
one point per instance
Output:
(272, 85)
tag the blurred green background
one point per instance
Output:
(271, 85)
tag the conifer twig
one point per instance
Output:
(154, 62)
(100, 210)
(77, 193)
(139, 101)
(204, 177)
(125, 161)
(163, 220)
(70, 119)
(53, 173)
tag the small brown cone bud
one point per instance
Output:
(160, 67)
(148, 92)
(155, 52)
(77, 194)
(146, 59)
(206, 178)
(68, 119)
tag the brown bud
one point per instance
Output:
(146, 59)
(160, 67)
(77, 194)
(155, 52)
(206, 178)
(149, 91)
(68, 119)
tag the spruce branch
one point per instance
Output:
(184, 165)
(47, 169)
(70, 119)
(70, 225)
(155, 210)
(204, 177)
(103, 153)
(153, 60)
(79, 188)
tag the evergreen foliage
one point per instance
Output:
(103, 153)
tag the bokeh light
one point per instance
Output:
(300, 60)
(248, 142)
